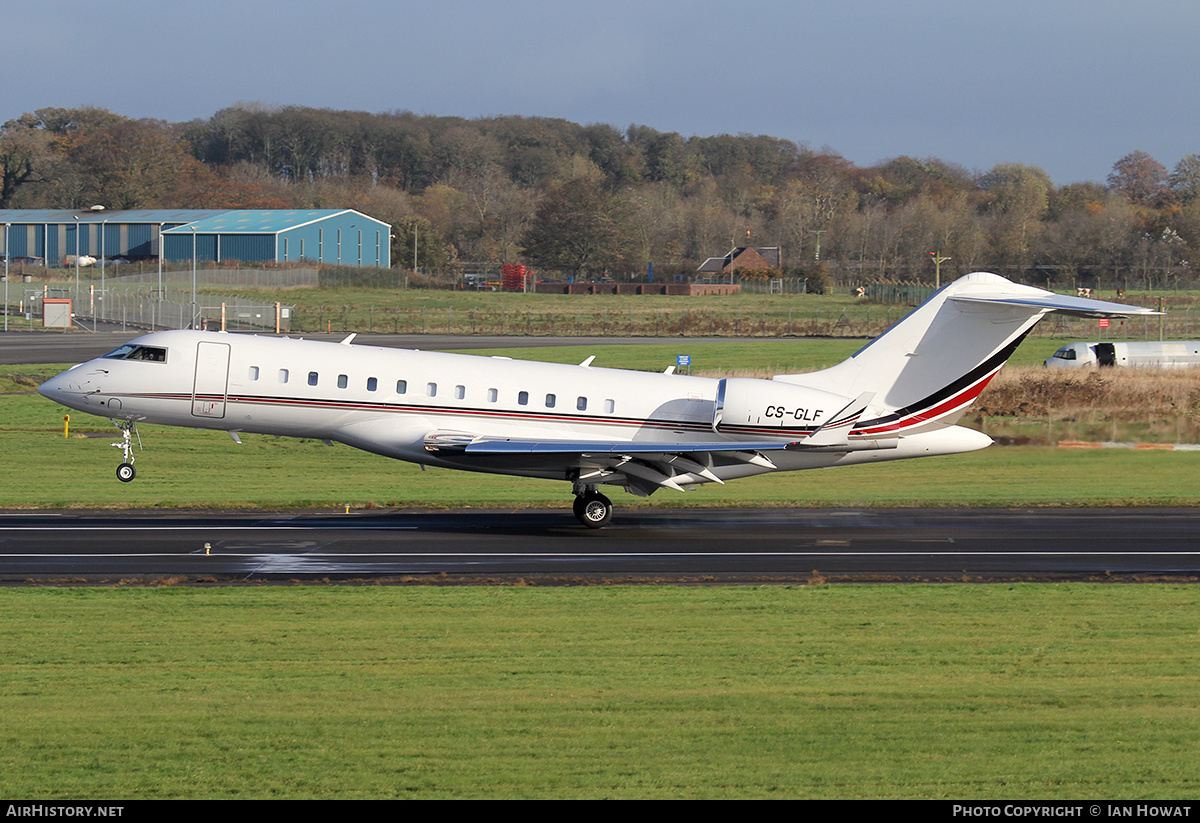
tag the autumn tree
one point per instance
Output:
(578, 228)
(25, 159)
(1018, 197)
(34, 147)
(131, 164)
(1185, 179)
(1140, 179)
(664, 156)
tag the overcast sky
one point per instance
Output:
(1068, 85)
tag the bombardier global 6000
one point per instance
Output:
(899, 396)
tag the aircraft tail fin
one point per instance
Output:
(927, 368)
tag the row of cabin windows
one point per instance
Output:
(431, 390)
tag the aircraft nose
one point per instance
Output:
(53, 388)
(63, 388)
(50, 388)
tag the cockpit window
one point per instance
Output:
(131, 352)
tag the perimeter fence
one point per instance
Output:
(144, 301)
(153, 300)
(861, 321)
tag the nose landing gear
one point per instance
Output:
(125, 471)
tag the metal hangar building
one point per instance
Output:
(331, 236)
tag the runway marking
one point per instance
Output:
(589, 555)
(51, 529)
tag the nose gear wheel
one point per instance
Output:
(125, 471)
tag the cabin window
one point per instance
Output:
(254, 372)
(283, 375)
(1065, 354)
(312, 378)
(581, 403)
(460, 392)
(493, 395)
(431, 389)
(372, 384)
(401, 387)
(343, 381)
(609, 406)
(523, 398)
(549, 401)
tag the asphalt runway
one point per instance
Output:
(548, 547)
(687, 545)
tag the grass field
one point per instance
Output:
(189, 468)
(957, 692)
(416, 311)
(184, 468)
(837, 313)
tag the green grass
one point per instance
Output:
(185, 468)
(437, 311)
(743, 315)
(964, 692)
(767, 357)
(950, 692)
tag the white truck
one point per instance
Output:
(1169, 354)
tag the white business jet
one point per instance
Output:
(898, 397)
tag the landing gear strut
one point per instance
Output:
(125, 471)
(593, 509)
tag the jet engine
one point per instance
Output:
(767, 404)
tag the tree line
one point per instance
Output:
(593, 199)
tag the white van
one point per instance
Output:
(1173, 354)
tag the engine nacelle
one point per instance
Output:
(768, 404)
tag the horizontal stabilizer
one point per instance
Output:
(1061, 303)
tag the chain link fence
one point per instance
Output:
(149, 300)
(146, 302)
(864, 320)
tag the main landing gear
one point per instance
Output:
(593, 509)
(125, 471)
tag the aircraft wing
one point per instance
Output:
(646, 464)
(472, 444)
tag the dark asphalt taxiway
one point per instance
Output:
(699, 546)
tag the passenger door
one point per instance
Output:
(212, 380)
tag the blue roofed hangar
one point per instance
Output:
(331, 236)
